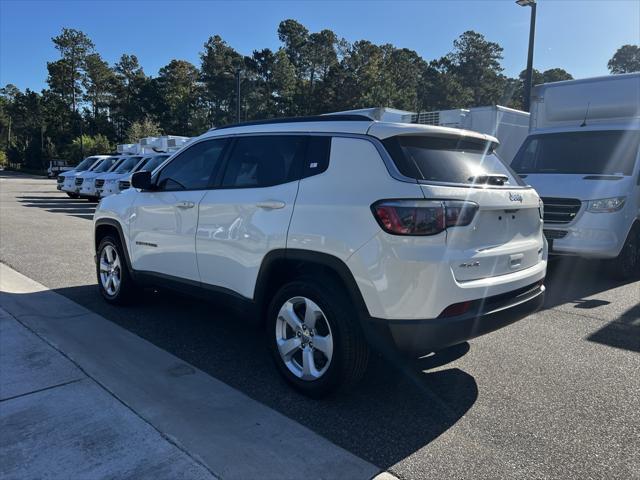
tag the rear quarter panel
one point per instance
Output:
(332, 213)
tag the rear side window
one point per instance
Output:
(194, 168)
(447, 160)
(317, 157)
(262, 161)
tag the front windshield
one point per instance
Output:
(154, 163)
(105, 165)
(85, 164)
(127, 165)
(593, 152)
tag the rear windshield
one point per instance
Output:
(447, 160)
(127, 165)
(600, 153)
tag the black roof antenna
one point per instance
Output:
(584, 122)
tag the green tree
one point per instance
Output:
(218, 70)
(141, 129)
(128, 105)
(283, 84)
(476, 62)
(625, 60)
(179, 93)
(440, 88)
(65, 74)
(99, 82)
(89, 145)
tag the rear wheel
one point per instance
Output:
(315, 338)
(627, 265)
(114, 280)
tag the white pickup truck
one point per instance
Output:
(582, 156)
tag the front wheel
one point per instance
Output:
(315, 338)
(72, 195)
(114, 280)
(627, 265)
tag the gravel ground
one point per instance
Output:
(556, 395)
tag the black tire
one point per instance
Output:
(627, 265)
(350, 350)
(93, 199)
(128, 289)
(72, 195)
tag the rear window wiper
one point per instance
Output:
(489, 179)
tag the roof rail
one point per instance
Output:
(314, 118)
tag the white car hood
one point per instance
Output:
(111, 176)
(576, 186)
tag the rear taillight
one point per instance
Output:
(422, 217)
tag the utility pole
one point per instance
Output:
(528, 80)
(238, 98)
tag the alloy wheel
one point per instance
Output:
(304, 338)
(110, 270)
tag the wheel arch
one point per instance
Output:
(106, 226)
(280, 265)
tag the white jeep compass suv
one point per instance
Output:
(340, 233)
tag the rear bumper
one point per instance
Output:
(420, 337)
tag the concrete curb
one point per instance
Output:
(234, 436)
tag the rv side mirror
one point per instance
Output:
(141, 180)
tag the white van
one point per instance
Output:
(582, 156)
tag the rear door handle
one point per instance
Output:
(271, 205)
(185, 204)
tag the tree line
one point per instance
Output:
(89, 105)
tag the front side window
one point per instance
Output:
(592, 152)
(448, 160)
(152, 163)
(194, 168)
(261, 161)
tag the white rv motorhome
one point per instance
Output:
(582, 156)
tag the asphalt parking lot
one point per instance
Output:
(556, 395)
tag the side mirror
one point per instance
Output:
(141, 180)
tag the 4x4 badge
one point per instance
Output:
(515, 197)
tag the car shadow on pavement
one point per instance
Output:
(398, 408)
(571, 280)
(623, 332)
(75, 207)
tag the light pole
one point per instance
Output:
(532, 33)
(238, 95)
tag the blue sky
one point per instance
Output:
(578, 35)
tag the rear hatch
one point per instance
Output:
(505, 235)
